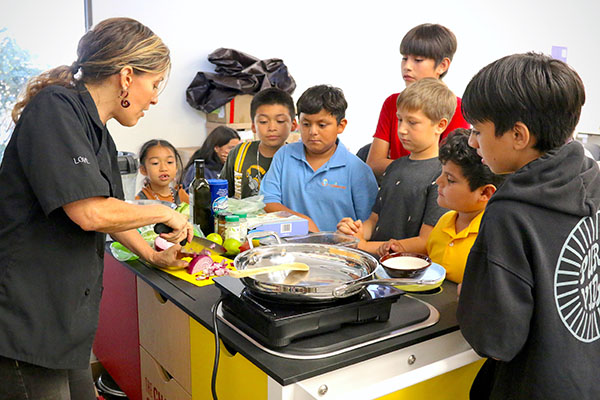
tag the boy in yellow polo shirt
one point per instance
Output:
(464, 186)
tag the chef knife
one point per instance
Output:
(197, 244)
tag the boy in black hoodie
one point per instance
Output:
(530, 298)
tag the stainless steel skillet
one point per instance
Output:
(335, 271)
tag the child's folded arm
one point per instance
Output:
(364, 191)
(378, 156)
(368, 226)
(362, 230)
(348, 226)
(358, 228)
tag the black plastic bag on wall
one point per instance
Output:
(236, 73)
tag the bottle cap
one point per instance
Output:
(232, 218)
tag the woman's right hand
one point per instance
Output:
(182, 229)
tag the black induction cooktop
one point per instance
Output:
(318, 327)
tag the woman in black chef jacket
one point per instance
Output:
(61, 193)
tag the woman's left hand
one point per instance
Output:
(168, 258)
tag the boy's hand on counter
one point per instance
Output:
(384, 249)
(391, 246)
(396, 246)
(169, 258)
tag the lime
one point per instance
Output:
(183, 208)
(232, 246)
(215, 237)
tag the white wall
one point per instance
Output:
(350, 46)
(33, 25)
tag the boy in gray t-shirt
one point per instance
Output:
(409, 193)
(406, 207)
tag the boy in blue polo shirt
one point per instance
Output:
(318, 178)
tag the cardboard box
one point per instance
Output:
(164, 334)
(235, 112)
(242, 126)
(157, 383)
(281, 222)
(186, 153)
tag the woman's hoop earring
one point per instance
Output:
(124, 103)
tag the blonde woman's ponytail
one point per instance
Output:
(62, 76)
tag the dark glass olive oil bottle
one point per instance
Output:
(200, 199)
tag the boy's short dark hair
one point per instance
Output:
(543, 93)
(456, 148)
(272, 96)
(430, 41)
(323, 97)
(430, 96)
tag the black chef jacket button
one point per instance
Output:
(87, 292)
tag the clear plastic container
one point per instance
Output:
(243, 226)
(232, 227)
(216, 220)
(221, 225)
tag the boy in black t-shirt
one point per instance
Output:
(406, 206)
(530, 299)
(273, 118)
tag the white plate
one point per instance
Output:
(433, 278)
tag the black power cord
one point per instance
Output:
(213, 382)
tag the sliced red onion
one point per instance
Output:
(161, 244)
(199, 264)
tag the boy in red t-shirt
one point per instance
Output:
(427, 52)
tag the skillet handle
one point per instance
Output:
(260, 234)
(349, 289)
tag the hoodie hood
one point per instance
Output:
(564, 180)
